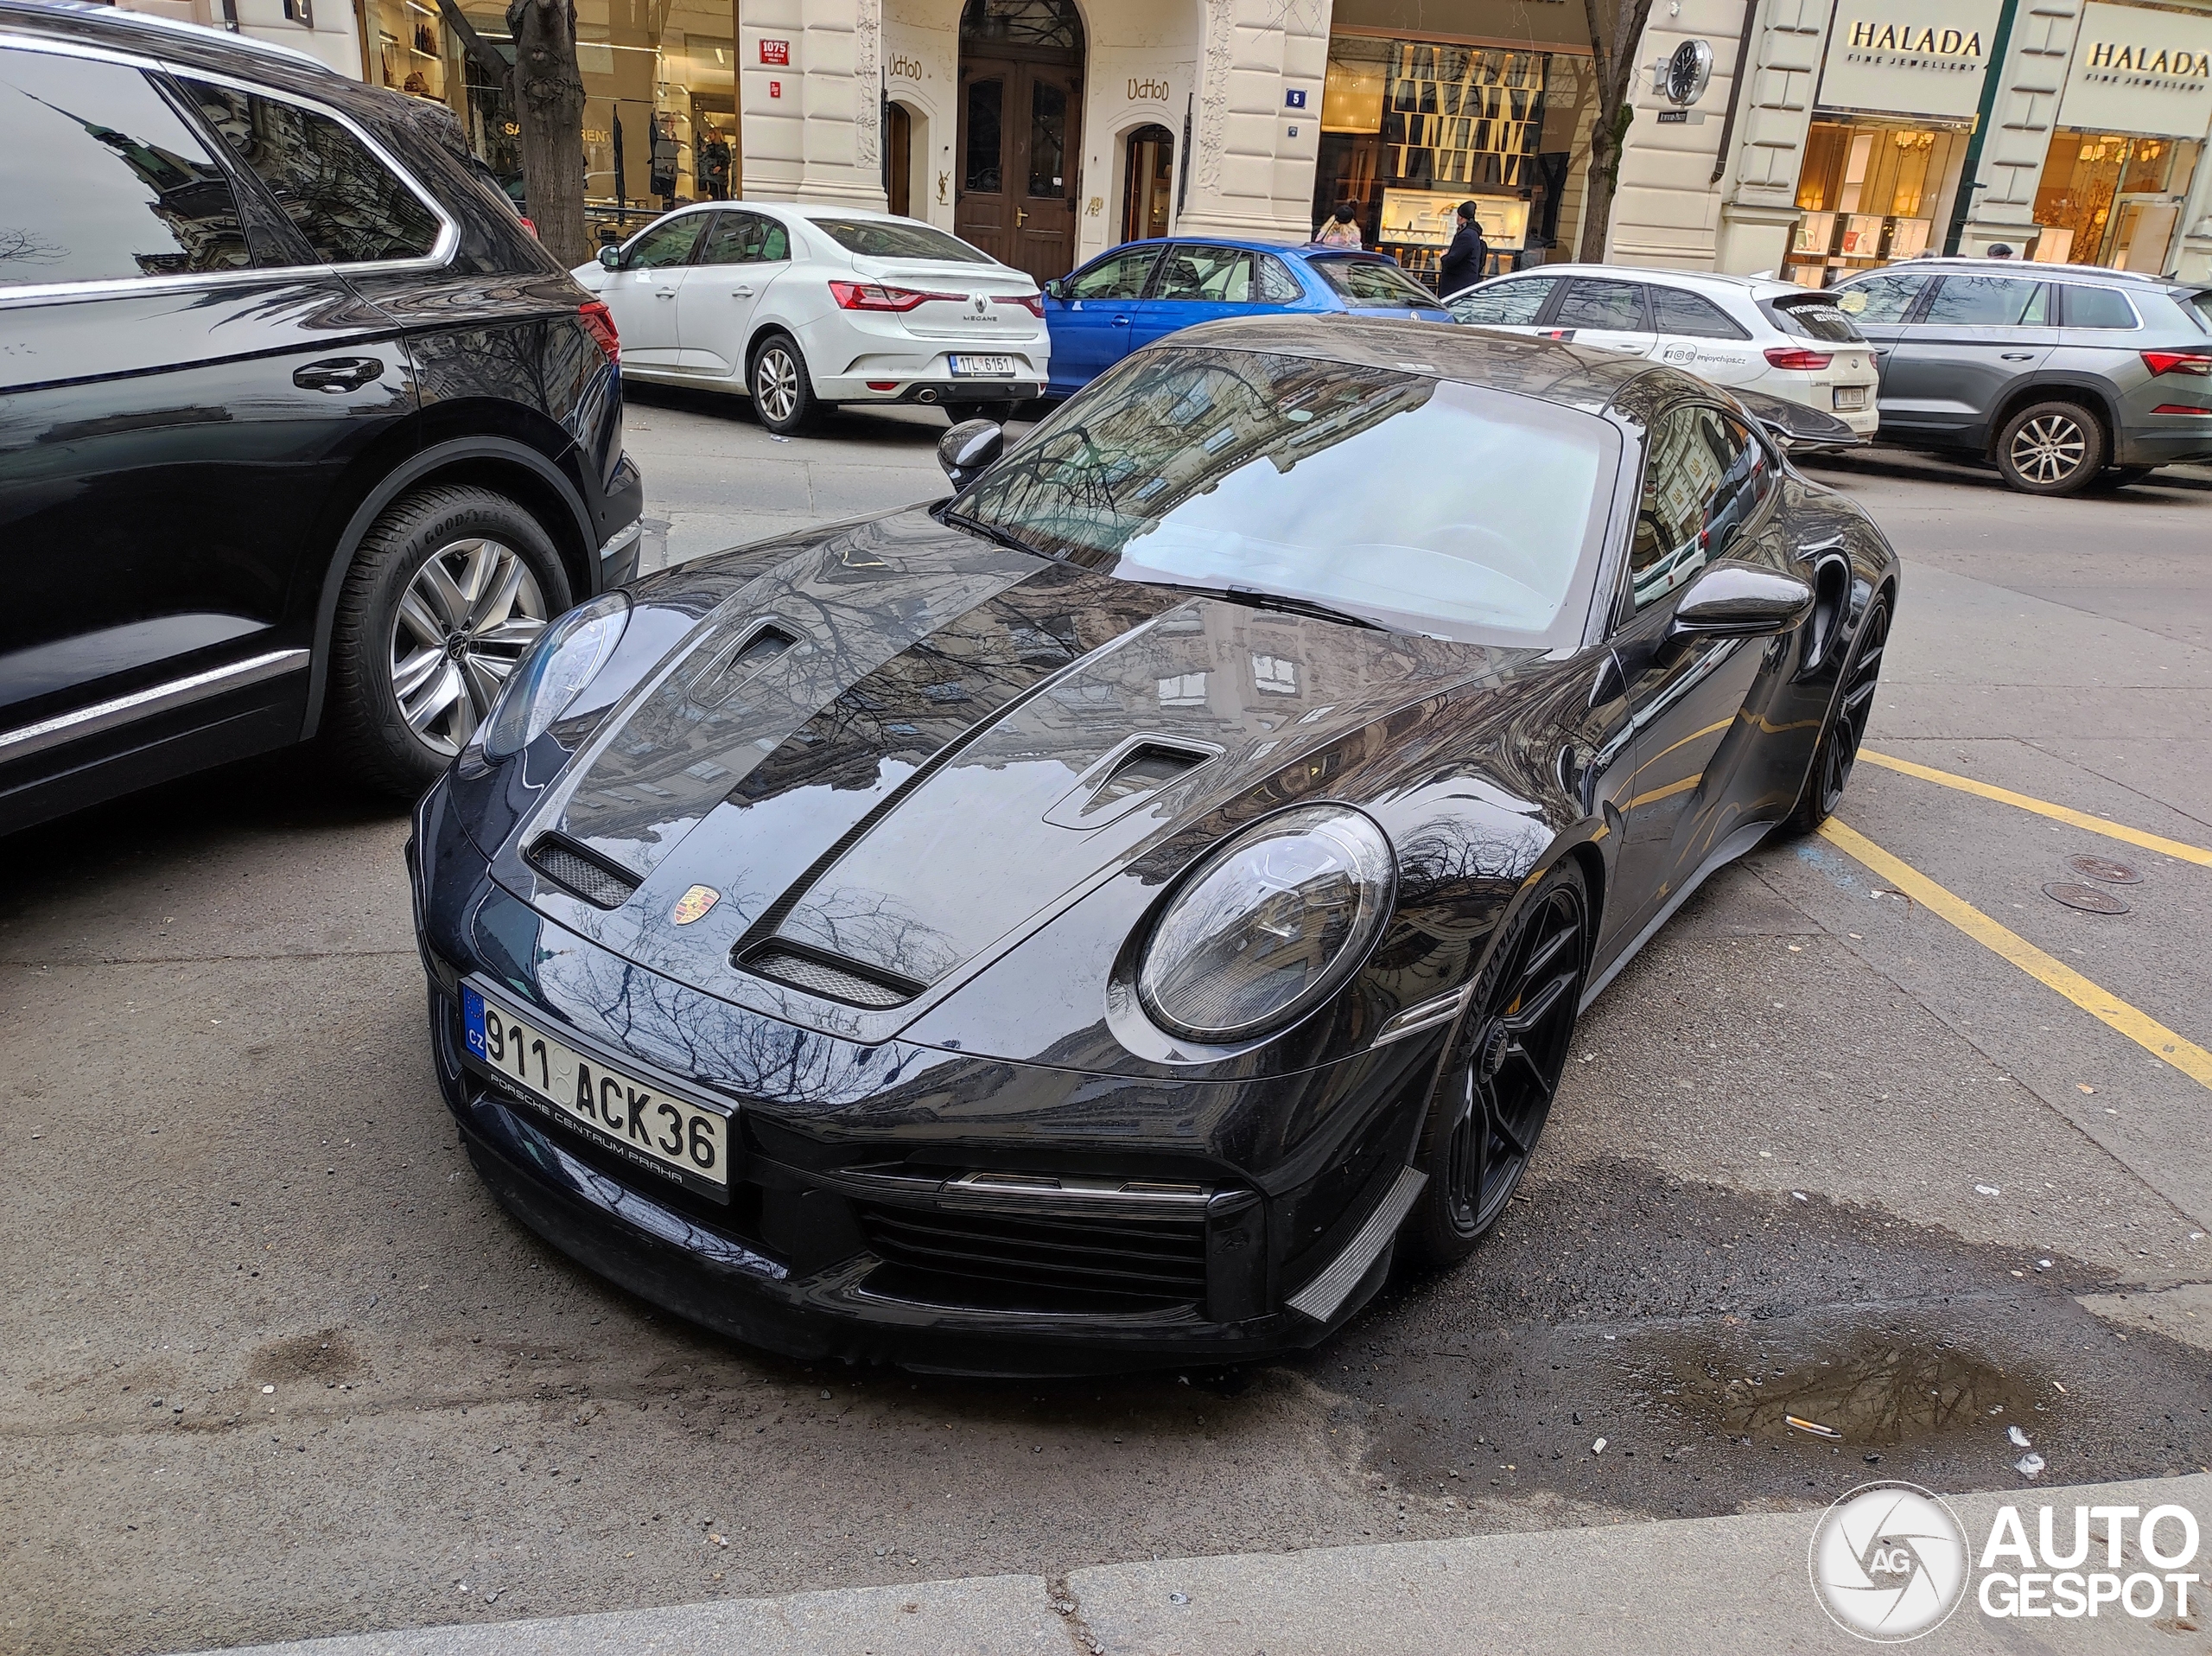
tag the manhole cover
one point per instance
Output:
(2103, 867)
(2090, 899)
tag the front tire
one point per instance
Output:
(1508, 1054)
(450, 588)
(2051, 448)
(1837, 750)
(783, 391)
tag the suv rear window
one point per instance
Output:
(896, 238)
(351, 208)
(1813, 317)
(1372, 283)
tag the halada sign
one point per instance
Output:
(2138, 71)
(1916, 59)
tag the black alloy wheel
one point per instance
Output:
(1854, 705)
(1491, 1105)
(2051, 448)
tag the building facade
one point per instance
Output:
(1835, 135)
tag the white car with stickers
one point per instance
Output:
(802, 308)
(1743, 332)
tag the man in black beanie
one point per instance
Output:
(1466, 258)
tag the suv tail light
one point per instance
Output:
(1797, 357)
(874, 295)
(2197, 362)
(528, 226)
(600, 324)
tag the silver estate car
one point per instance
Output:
(2063, 375)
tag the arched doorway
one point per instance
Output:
(1020, 142)
(1147, 183)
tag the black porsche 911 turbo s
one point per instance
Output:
(1101, 919)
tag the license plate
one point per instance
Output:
(1851, 396)
(981, 367)
(638, 1120)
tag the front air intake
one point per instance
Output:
(575, 869)
(817, 975)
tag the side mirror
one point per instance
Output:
(967, 450)
(1053, 290)
(1733, 600)
(611, 257)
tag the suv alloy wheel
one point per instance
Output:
(2055, 447)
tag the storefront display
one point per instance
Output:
(1873, 192)
(2130, 134)
(1412, 128)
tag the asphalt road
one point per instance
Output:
(272, 1364)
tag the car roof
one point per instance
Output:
(1572, 376)
(1714, 283)
(2015, 267)
(1300, 250)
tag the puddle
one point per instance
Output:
(1873, 1388)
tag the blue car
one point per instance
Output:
(1143, 290)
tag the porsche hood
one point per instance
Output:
(900, 749)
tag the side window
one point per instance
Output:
(745, 238)
(101, 180)
(1882, 299)
(1704, 475)
(1277, 285)
(667, 242)
(2099, 308)
(351, 208)
(1593, 304)
(1990, 301)
(1510, 304)
(1674, 310)
(1215, 275)
(1118, 275)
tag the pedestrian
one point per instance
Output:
(1338, 230)
(1467, 260)
(2000, 250)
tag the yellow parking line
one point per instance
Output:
(2181, 849)
(2140, 1027)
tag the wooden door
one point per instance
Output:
(1021, 143)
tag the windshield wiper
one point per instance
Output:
(1289, 606)
(991, 531)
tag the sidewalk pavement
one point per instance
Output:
(1719, 1586)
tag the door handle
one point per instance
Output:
(740, 293)
(1021, 218)
(663, 293)
(338, 374)
(1121, 322)
(2016, 356)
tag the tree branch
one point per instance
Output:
(487, 55)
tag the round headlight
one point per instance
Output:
(1269, 925)
(567, 655)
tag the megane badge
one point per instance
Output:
(694, 903)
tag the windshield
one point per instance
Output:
(1373, 284)
(1422, 504)
(897, 239)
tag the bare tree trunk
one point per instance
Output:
(1613, 58)
(549, 110)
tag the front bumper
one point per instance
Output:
(904, 1204)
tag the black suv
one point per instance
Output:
(300, 428)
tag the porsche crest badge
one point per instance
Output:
(694, 903)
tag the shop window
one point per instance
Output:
(1870, 192)
(2112, 200)
(1989, 302)
(1118, 275)
(1504, 304)
(2087, 307)
(1675, 311)
(103, 180)
(1149, 183)
(351, 209)
(1615, 306)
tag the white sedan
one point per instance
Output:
(1743, 332)
(804, 306)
